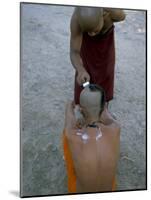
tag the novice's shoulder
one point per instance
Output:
(113, 127)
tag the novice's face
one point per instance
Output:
(97, 29)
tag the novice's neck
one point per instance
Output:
(92, 119)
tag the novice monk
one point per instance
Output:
(92, 50)
(91, 151)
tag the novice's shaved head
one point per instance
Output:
(89, 18)
(92, 99)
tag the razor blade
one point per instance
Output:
(86, 84)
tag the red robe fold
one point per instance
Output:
(98, 56)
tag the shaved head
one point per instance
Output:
(89, 18)
(92, 100)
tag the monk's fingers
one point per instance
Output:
(85, 77)
(82, 79)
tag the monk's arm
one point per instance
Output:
(75, 44)
(116, 15)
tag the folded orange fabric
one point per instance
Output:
(71, 175)
(69, 165)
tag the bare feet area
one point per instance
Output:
(47, 82)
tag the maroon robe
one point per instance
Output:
(98, 56)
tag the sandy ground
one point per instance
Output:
(47, 79)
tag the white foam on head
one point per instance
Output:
(85, 136)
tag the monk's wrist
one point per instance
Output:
(81, 70)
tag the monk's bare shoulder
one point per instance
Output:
(116, 15)
(74, 25)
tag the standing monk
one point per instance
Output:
(92, 50)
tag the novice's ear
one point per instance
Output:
(82, 112)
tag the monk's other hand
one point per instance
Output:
(83, 77)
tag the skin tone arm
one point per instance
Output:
(75, 45)
(116, 15)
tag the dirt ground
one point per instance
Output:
(47, 80)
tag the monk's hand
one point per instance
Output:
(83, 77)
